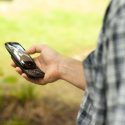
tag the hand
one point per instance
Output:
(56, 67)
(48, 61)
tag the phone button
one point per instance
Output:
(35, 73)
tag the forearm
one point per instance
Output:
(72, 70)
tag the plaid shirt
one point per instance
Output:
(104, 100)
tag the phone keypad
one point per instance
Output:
(36, 73)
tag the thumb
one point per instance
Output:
(34, 49)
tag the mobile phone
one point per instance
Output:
(23, 60)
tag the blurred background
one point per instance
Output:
(69, 26)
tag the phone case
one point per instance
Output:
(31, 73)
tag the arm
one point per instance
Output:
(72, 70)
(56, 67)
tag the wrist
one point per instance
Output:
(71, 70)
(62, 68)
(66, 67)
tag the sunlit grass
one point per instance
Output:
(56, 29)
(15, 121)
(10, 80)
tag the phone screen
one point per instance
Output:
(23, 58)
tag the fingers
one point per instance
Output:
(36, 81)
(25, 76)
(36, 49)
(13, 64)
(19, 70)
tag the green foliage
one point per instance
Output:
(15, 121)
(10, 80)
(1, 72)
(1, 98)
(56, 28)
(25, 93)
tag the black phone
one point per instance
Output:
(23, 60)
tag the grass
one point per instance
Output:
(10, 80)
(56, 29)
(26, 93)
(15, 121)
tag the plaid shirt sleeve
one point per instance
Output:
(104, 99)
